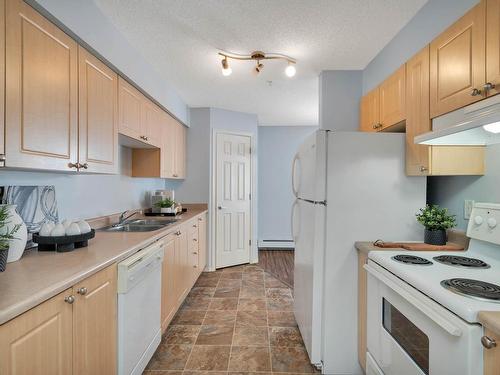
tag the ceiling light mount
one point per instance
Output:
(257, 56)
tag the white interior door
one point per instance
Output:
(233, 189)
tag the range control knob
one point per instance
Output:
(492, 222)
(478, 220)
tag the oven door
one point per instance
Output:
(408, 333)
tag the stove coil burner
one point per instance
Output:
(459, 261)
(473, 288)
(412, 259)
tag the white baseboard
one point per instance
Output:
(276, 244)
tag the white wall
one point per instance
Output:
(85, 19)
(87, 196)
(277, 147)
(339, 95)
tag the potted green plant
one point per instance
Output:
(166, 206)
(7, 232)
(436, 221)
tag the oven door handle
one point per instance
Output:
(428, 307)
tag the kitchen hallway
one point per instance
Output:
(238, 320)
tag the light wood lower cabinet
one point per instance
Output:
(169, 294)
(71, 333)
(491, 356)
(362, 293)
(94, 324)
(202, 242)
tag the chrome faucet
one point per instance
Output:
(124, 217)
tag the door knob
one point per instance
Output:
(82, 291)
(69, 299)
(488, 343)
(476, 92)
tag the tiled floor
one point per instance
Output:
(237, 321)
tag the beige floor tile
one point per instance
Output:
(251, 318)
(203, 373)
(196, 303)
(215, 335)
(223, 304)
(200, 291)
(209, 358)
(278, 293)
(169, 357)
(155, 372)
(249, 283)
(245, 358)
(231, 275)
(273, 282)
(252, 304)
(285, 336)
(251, 336)
(250, 292)
(220, 318)
(189, 317)
(281, 319)
(204, 281)
(227, 292)
(280, 304)
(229, 282)
(290, 359)
(181, 334)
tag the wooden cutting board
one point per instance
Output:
(418, 246)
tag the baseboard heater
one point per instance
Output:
(276, 244)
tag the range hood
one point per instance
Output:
(477, 124)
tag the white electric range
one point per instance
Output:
(422, 306)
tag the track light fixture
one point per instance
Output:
(257, 56)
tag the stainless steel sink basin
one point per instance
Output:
(151, 222)
(133, 228)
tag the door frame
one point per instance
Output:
(212, 205)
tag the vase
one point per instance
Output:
(18, 243)
(435, 237)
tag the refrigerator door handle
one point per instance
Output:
(294, 166)
(292, 221)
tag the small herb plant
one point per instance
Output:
(432, 217)
(165, 203)
(5, 236)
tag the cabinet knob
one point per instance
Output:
(73, 165)
(2, 158)
(195, 240)
(194, 226)
(476, 92)
(200, 219)
(374, 126)
(82, 291)
(69, 299)
(488, 343)
(84, 166)
(178, 233)
(423, 169)
(195, 252)
(195, 266)
(488, 86)
(175, 175)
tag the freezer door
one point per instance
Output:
(307, 229)
(309, 168)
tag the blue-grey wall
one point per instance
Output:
(429, 22)
(339, 95)
(277, 147)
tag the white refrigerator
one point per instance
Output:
(349, 186)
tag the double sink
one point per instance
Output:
(139, 225)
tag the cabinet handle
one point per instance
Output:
(476, 92)
(195, 240)
(69, 299)
(73, 165)
(195, 252)
(488, 343)
(488, 86)
(84, 166)
(82, 291)
(195, 226)
(175, 175)
(423, 169)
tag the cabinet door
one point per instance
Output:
(167, 147)
(392, 99)
(129, 109)
(169, 296)
(94, 323)
(202, 242)
(493, 45)
(417, 113)
(183, 267)
(150, 123)
(180, 151)
(39, 341)
(491, 356)
(370, 112)
(42, 91)
(457, 63)
(193, 251)
(98, 115)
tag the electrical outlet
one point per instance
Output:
(468, 204)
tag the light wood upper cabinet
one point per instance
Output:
(457, 63)
(40, 341)
(370, 111)
(417, 113)
(151, 122)
(98, 115)
(180, 150)
(41, 91)
(392, 99)
(129, 109)
(95, 324)
(493, 45)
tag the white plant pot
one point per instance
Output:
(18, 243)
(167, 210)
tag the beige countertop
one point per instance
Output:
(366, 247)
(490, 320)
(40, 275)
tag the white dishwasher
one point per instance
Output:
(139, 308)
